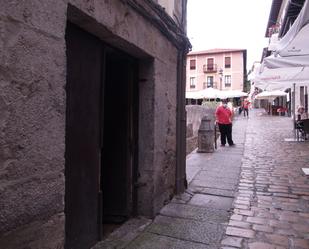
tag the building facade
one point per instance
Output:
(223, 69)
(92, 116)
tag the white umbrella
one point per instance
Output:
(298, 46)
(295, 40)
(232, 94)
(210, 93)
(285, 76)
(289, 61)
(272, 86)
(192, 95)
(271, 94)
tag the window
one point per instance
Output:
(210, 81)
(192, 82)
(210, 64)
(192, 64)
(227, 80)
(227, 62)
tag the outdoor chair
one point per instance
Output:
(302, 127)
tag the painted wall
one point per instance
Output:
(236, 71)
(32, 104)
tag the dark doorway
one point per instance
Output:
(120, 136)
(101, 137)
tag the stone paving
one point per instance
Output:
(271, 206)
(252, 196)
(198, 218)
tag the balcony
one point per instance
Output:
(210, 68)
(210, 84)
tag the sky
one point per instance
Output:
(237, 24)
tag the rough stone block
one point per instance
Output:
(191, 230)
(41, 234)
(210, 201)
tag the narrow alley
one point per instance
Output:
(252, 196)
(104, 103)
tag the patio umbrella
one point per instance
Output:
(295, 40)
(192, 95)
(270, 95)
(233, 94)
(281, 78)
(290, 65)
(289, 61)
(210, 93)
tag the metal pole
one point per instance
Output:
(215, 135)
(294, 119)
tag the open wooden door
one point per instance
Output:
(82, 155)
(101, 138)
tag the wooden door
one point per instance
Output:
(82, 141)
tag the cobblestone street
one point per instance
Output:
(252, 196)
(271, 206)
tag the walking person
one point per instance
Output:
(224, 120)
(245, 107)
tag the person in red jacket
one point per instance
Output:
(224, 120)
(245, 106)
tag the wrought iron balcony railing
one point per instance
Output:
(210, 68)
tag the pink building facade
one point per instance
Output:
(223, 69)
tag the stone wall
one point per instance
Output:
(191, 142)
(32, 104)
(32, 101)
(195, 113)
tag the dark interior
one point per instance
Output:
(101, 138)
